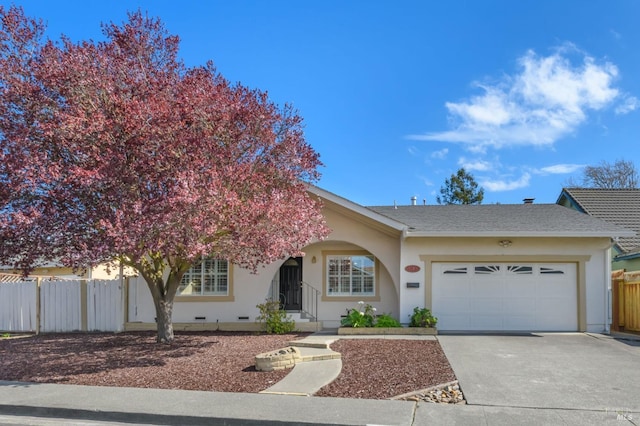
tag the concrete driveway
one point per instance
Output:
(567, 371)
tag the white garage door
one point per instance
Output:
(505, 296)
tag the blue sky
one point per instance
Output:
(397, 95)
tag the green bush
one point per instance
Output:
(386, 320)
(364, 316)
(422, 317)
(274, 319)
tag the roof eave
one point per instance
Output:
(355, 207)
(502, 234)
(626, 256)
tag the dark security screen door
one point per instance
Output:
(290, 284)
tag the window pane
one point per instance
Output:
(350, 275)
(210, 277)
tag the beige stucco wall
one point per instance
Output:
(248, 291)
(350, 232)
(590, 254)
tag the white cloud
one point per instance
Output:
(629, 104)
(546, 100)
(413, 151)
(441, 154)
(426, 181)
(505, 185)
(559, 169)
(475, 165)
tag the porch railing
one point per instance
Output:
(310, 299)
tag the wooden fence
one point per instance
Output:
(625, 289)
(46, 305)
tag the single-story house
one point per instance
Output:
(617, 206)
(529, 267)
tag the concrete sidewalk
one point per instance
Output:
(76, 404)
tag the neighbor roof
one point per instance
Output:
(618, 206)
(526, 220)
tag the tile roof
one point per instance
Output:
(534, 220)
(618, 206)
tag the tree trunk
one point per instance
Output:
(164, 310)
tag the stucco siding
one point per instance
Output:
(588, 253)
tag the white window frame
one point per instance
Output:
(210, 273)
(349, 277)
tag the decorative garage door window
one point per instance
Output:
(455, 271)
(492, 269)
(519, 269)
(545, 270)
(487, 269)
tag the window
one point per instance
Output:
(520, 269)
(550, 271)
(351, 275)
(209, 278)
(455, 271)
(487, 269)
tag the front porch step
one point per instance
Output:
(297, 317)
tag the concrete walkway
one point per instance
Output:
(320, 366)
(471, 358)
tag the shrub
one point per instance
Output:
(386, 320)
(275, 319)
(422, 317)
(364, 316)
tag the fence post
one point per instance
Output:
(38, 305)
(83, 305)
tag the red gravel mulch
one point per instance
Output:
(384, 368)
(216, 361)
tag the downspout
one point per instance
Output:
(608, 294)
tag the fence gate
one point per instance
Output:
(18, 306)
(45, 305)
(625, 288)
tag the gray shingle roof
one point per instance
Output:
(618, 206)
(533, 220)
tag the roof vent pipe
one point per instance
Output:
(528, 200)
(414, 200)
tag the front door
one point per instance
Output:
(291, 284)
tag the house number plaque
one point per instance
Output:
(412, 268)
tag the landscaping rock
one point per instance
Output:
(447, 393)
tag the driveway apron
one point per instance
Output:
(547, 370)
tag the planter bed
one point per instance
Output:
(411, 331)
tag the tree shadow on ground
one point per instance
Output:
(60, 358)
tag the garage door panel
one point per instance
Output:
(517, 290)
(455, 305)
(479, 288)
(555, 290)
(456, 322)
(505, 296)
(487, 322)
(518, 322)
(486, 306)
(554, 306)
(516, 306)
